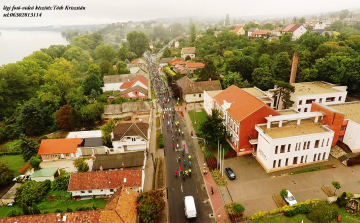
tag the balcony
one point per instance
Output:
(129, 143)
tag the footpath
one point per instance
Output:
(215, 198)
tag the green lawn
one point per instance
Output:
(200, 118)
(15, 162)
(11, 146)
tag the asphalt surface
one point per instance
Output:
(178, 186)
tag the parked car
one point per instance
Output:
(290, 199)
(230, 173)
(10, 204)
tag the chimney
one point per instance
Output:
(294, 68)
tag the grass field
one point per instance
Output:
(200, 118)
(11, 146)
(15, 162)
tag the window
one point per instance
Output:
(302, 159)
(83, 192)
(274, 164)
(309, 101)
(295, 160)
(304, 147)
(317, 144)
(279, 164)
(89, 191)
(199, 95)
(47, 156)
(327, 142)
(133, 139)
(101, 190)
(300, 102)
(319, 156)
(52, 155)
(320, 100)
(128, 137)
(282, 150)
(276, 149)
(111, 190)
(330, 99)
(305, 109)
(305, 158)
(340, 98)
(299, 110)
(286, 162)
(308, 145)
(67, 154)
(296, 146)
(289, 147)
(322, 145)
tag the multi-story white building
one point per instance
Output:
(128, 137)
(308, 92)
(288, 141)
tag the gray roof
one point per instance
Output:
(93, 142)
(252, 29)
(119, 78)
(114, 161)
(127, 107)
(166, 60)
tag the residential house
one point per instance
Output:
(320, 25)
(138, 88)
(119, 160)
(165, 61)
(126, 109)
(294, 140)
(194, 91)
(257, 34)
(151, 46)
(276, 32)
(53, 149)
(251, 30)
(92, 142)
(104, 183)
(177, 61)
(45, 174)
(129, 137)
(241, 111)
(351, 21)
(209, 100)
(239, 30)
(296, 30)
(120, 208)
(137, 61)
(344, 120)
(192, 67)
(308, 92)
(188, 51)
(114, 82)
(176, 44)
(323, 32)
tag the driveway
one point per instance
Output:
(254, 187)
(65, 164)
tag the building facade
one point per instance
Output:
(189, 51)
(129, 137)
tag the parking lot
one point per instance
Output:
(254, 188)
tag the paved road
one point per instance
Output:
(179, 187)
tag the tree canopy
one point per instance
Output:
(138, 42)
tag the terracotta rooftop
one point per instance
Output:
(188, 50)
(57, 146)
(291, 28)
(254, 92)
(308, 88)
(350, 109)
(139, 60)
(119, 78)
(237, 28)
(290, 129)
(190, 87)
(104, 180)
(138, 78)
(260, 32)
(130, 129)
(242, 104)
(195, 65)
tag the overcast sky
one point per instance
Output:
(109, 11)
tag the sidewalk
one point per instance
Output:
(215, 199)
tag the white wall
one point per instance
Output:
(112, 86)
(183, 56)
(319, 25)
(352, 135)
(99, 192)
(317, 97)
(137, 145)
(266, 149)
(208, 103)
(138, 83)
(299, 32)
(191, 98)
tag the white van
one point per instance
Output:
(190, 209)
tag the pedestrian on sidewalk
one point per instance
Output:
(204, 166)
(212, 190)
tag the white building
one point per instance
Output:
(104, 183)
(251, 30)
(209, 100)
(176, 44)
(320, 25)
(128, 137)
(288, 141)
(296, 30)
(189, 51)
(321, 92)
(114, 82)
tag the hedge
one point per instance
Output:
(169, 72)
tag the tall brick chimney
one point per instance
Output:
(294, 67)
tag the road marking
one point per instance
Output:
(182, 189)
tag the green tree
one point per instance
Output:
(94, 69)
(61, 182)
(192, 33)
(233, 78)
(28, 147)
(263, 78)
(91, 113)
(212, 129)
(55, 51)
(106, 130)
(104, 67)
(6, 174)
(283, 193)
(138, 42)
(14, 213)
(336, 185)
(104, 52)
(81, 165)
(344, 13)
(282, 92)
(121, 68)
(31, 119)
(91, 82)
(209, 71)
(238, 208)
(322, 213)
(32, 192)
(58, 84)
(75, 119)
(265, 61)
(34, 210)
(166, 53)
(282, 66)
(35, 162)
(246, 66)
(63, 117)
(150, 205)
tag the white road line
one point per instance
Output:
(182, 189)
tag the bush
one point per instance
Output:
(58, 211)
(69, 209)
(32, 192)
(61, 182)
(14, 213)
(218, 179)
(81, 165)
(290, 213)
(322, 213)
(304, 209)
(349, 194)
(238, 208)
(258, 215)
(41, 138)
(35, 162)
(341, 200)
(161, 141)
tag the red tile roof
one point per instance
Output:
(177, 61)
(242, 105)
(291, 28)
(129, 84)
(56, 146)
(237, 28)
(105, 180)
(195, 65)
(139, 60)
(260, 32)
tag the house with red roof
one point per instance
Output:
(177, 61)
(241, 112)
(104, 183)
(239, 30)
(260, 33)
(53, 149)
(151, 46)
(296, 30)
(137, 88)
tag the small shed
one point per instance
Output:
(45, 174)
